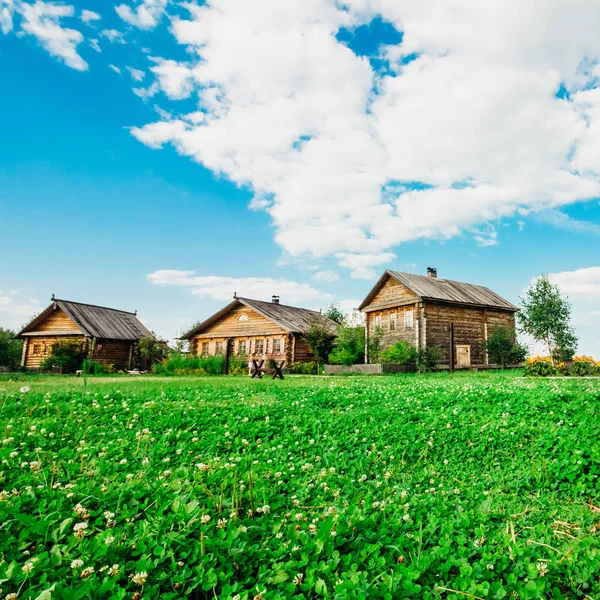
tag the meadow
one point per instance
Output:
(438, 486)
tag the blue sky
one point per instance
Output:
(303, 161)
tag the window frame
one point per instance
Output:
(205, 349)
(262, 346)
(393, 319)
(409, 318)
(242, 347)
(277, 346)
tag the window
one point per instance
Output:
(242, 348)
(204, 348)
(378, 322)
(408, 318)
(392, 321)
(276, 346)
(220, 348)
(243, 317)
(259, 346)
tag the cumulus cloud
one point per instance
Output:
(327, 276)
(330, 145)
(146, 15)
(259, 288)
(7, 9)
(136, 74)
(87, 16)
(43, 21)
(113, 36)
(560, 220)
(582, 283)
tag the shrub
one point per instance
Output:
(539, 366)
(584, 366)
(186, 364)
(401, 353)
(427, 359)
(150, 351)
(91, 367)
(67, 356)
(319, 338)
(349, 346)
(503, 349)
(303, 368)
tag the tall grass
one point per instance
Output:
(185, 364)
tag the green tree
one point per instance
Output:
(150, 350)
(10, 349)
(349, 346)
(502, 347)
(546, 316)
(319, 339)
(374, 345)
(335, 314)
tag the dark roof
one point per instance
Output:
(444, 290)
(96, 321)
(290, 318)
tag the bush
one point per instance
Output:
(503, 348)
(349, 346)
(91, 367)
(401, 353)
(185, 364)
(584, 366)
(539, 366)
(66, 356)
(427, 359)
(303, 368)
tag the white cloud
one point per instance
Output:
(43, 21)
(146, 15)
(259, 288)
(115, 69)
(327, 276)
(15, 313)
(290, 112)
(560, 220)
(113, 36)
(582, 283)
(7, 9)
(87, 16)
(95, 45)
(136, 74)
(362, 264)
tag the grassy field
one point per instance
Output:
(466, 486)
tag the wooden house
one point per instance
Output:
(428, 311)
(108, 334)
(257, 329)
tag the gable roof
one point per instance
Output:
(95, 321)
(443, 290)
(291, 318)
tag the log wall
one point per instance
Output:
(40, 347)
(113, 352)
(469, 328)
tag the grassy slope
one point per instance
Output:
(415, 486)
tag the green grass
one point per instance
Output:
(465, 486)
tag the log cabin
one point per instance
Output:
(257, 329)
(427, 311)
(108, 335)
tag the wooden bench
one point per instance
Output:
(258, 369)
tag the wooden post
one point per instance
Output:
(485, 334)
(451, 336)
(227, 355)
(367, 339)
(24, 352)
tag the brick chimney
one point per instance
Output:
(431, 272)
(275, 299)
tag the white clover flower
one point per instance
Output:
(139, 578)
(87, 572)
(114, 570)
(28, 567)
(24, 389)
(204, 519)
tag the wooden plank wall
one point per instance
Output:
(392, 293)
(57, 320)
(469, 328)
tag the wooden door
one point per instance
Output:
(463, 356)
